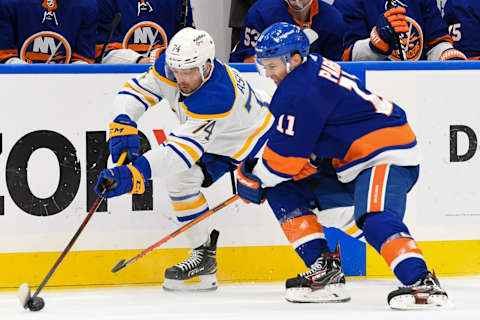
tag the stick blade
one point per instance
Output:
(24, 295)
(120, 265)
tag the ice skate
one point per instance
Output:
(202, 263)
(426, 293)
(324, 282)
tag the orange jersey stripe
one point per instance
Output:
(398, 247)
(474, 58)
(445, 38)
(347, 54)
(285, 165)
(377, 185)
(77, 57)
(300, 227)
(378, 139)
(113, 45)
(249, 59)
(8, 53)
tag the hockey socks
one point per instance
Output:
(391, 238)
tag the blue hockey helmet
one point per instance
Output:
(281, 40)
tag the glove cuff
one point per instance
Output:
(377, 44)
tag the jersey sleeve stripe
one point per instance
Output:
(445, 38)
(206, 116)
(162, 78)
(7, 54)
(151, 101)
(179, 154)
(284, 165)
(78, 57)
(136, 97)
(158, 98)
(373, 142)
(195, 143)
(188, 149)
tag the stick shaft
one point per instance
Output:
(94, 208)
(390, 4)
(182, 229)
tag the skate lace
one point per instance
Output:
(192, 261)
(315, 267)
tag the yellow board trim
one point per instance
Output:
(268, 264)
(447, 258)
(190, 205)
(253, 136)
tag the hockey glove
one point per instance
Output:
(452, 54)
(382, 37)
(123, 137)
(249, 186)
(119, 180)
(307, 170)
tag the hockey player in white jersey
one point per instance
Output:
(222, 122)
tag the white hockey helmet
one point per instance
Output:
(190, 48)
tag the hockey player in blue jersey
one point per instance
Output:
(327, 122)
(145, 28)
(47, 31)
(323, 21)
(463, 20)
(222, 120)
(373, 28)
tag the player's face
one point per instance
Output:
(275, 69)
(298, 4)
(188, 80)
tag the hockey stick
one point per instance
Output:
(401, 54)
(115, 22)
(184, 14)
(36, 303)
(123, 263)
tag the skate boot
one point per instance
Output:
(202, 263)
(324, 282)
(426, 293)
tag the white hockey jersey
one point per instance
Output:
(225, 116)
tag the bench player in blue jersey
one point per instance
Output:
(323, 21)
(223, 120)
(146, 27)
(335, 142)
(372, 28)
(463, 20)
(47, 31)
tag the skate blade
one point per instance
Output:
(330, 294)
(207, 283)
(407, 302)
(23, 295)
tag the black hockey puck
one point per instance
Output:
(36, 304)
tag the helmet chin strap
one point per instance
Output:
(302, 7)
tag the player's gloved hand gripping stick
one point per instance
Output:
(36, 303)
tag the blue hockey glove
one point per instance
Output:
(382, 37)
(119, 180)
(249, 186)
(123, 137)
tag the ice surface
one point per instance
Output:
(238, 301)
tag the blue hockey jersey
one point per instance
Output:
(145, 25)
(323, 112)
(324, 19)
(48, 31)
(463, 20)
(424, 19)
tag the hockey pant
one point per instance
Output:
(184, 190)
